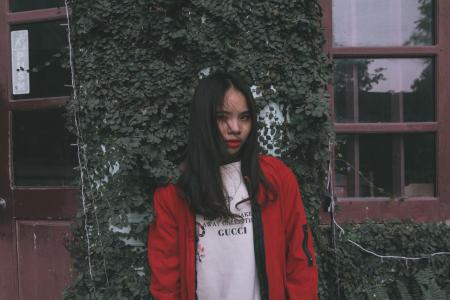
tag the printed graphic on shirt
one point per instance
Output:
(200, 252)
(217, 230)
(226, 227)
(200, 229)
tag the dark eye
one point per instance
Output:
(220, 117)
(245, 117)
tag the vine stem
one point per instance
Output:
(80, 148)
(81, 151)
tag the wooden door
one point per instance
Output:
(37, 155)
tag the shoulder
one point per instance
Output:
(168, 196)
(166, 190)
(280, 176)
(274, 167)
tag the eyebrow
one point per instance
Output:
(226, 112)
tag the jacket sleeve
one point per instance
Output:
(301, 268)
(163, 248)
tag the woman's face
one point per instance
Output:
(234, 120)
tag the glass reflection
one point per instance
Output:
(420, 164)
(364, 165)
(23, 5)
(345, 166)
(385, 165)
(384, 90)
(376, 165)
(48, 69)
(43, 155)
(359, 23)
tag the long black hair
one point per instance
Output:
(201, 182)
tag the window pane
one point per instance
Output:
(420, 172)
(384, 90)
(22, 5)
(376, 165)
(345, 166)
(359, 23)
(385, 165)
(42, 153)
(41, 46)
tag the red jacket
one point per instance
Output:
(289, 255)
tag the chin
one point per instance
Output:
(233, 151)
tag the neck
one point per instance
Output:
(231, 158)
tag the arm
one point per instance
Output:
(301, 268)
(163, 256)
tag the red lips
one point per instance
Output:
(233, 144)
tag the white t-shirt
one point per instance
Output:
(226, 268)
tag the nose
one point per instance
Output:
(233, 126)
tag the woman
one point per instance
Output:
(234, 226)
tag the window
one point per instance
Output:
(390, 107)
(385, 23)
(43, 45)
(25, 5)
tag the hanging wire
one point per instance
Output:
(330, 184)
(396, 257)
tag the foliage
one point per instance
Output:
(423, 33)
(364, 276)
(136, 64)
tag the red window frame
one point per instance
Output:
(418, 208)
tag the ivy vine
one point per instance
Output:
(354, 274)
(136, 65)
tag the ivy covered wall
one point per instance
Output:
(136, 65)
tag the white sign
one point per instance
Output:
(20, 62)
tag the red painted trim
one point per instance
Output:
(45, 203)
(36, 15)
(419, 210)
(443, 102)
(38, 103)
(388, 52)
(327, 24)
(385, 210)
(386, 127)
(438, 18)
(4, 114)
(8, 254)
(355, 177)
(384, 199)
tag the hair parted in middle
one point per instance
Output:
(201, 182)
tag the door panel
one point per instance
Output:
(43, 260)
(35, 203)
